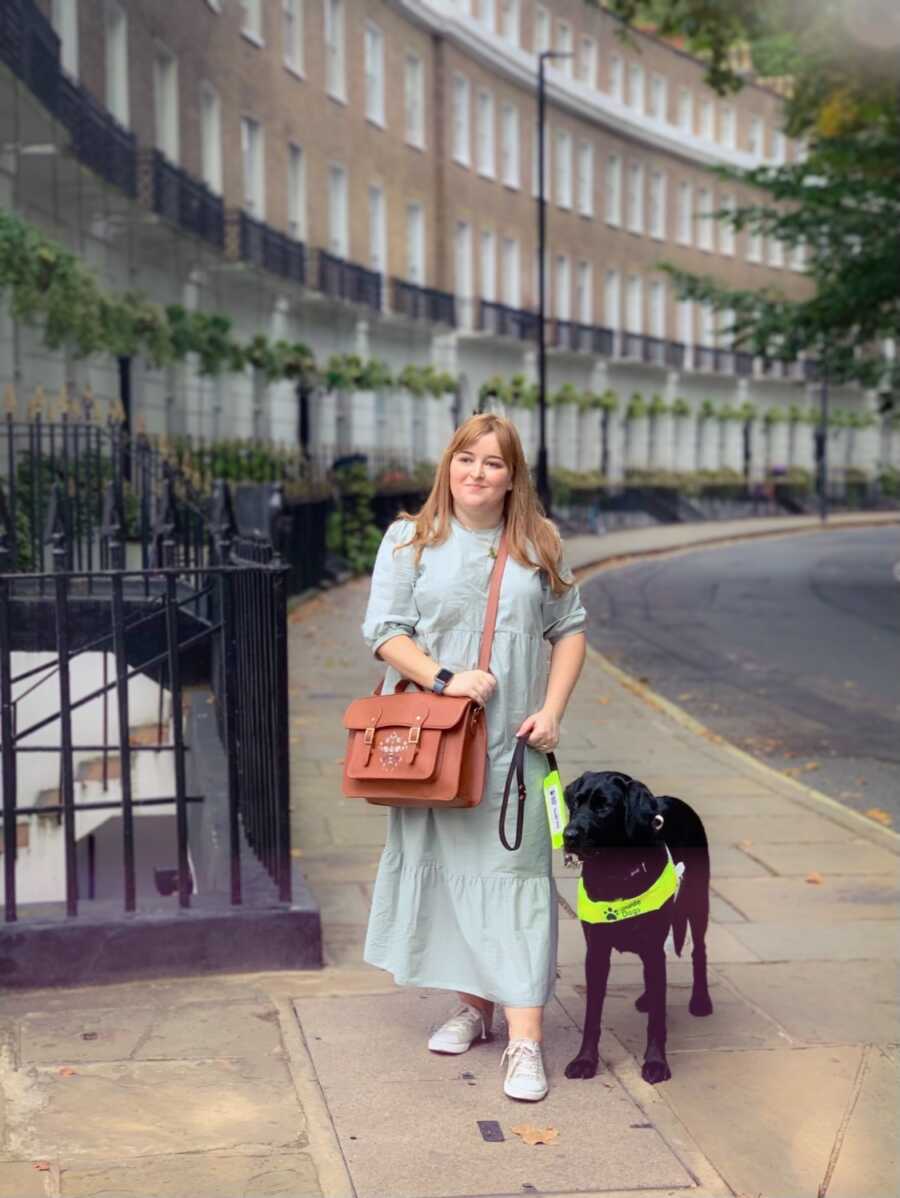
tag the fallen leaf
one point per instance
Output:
(536, 1135)
(814, 879)
(881, 817)
(745, 844)
(43, 1166)
(604, 699)
(68, 1071)
(810, 765)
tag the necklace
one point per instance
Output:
(492, 551)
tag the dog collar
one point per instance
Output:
(615, 910)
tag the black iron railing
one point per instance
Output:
(582, 338)
(185, 201)
(743, 363)
(29, 45)
(273, 251)
(422, 303)
(654, 352)
(348, 281)
(633, 346)
(812, 370)
(675, 354)
(155, 622)
(704, 358)
(504, 321)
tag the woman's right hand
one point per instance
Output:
(472, 684)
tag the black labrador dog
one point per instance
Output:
(621, 832)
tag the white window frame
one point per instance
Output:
(511, 272)
(612, 180)
(373, 73)
(562, 287)
(487, 265)
(797, 258)
(253, 167)
(252, 24)
(617, 78)
(637, 88)
(728, 126)
(462, 132)
(584, 292)
(485, 122)
(779, 147)
(587, 62)
(585, 181)
(685, 214)
(658, 309)
(658, 212)
(726, 230)
(686, 323)
(211, 136)
(338, 210)
(709, 333)
(511, 22)
(634, 304)
(414, 99)
(296, 192)
(165, 102)
(635, 203)
(509, 145)
(612, 299)
(293, 35)
(776, 252)
(64, 17)
(335, 50)
(658, 99)
(686, 110)
(487, 12)
(754, 246)
(377, 221)
(543, 30)
(463, 278)
(756, 137)
(565, 45)
(705, 228)
(563, 160)
(415, 243)
(116, 45)
(707, 120)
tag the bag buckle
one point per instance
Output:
(415, 732)
(369, 734)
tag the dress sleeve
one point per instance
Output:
(562, 614)
(391, 610)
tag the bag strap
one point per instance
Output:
(517, 769)
(493, 603)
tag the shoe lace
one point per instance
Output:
(461, 1020)
(524, 1058)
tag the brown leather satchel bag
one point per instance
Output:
(418, 749)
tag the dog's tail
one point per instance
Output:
(679, 924)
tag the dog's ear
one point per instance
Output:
(576, 792)
(639, 810)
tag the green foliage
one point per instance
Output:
(568, 393)
(658, 406)
(522, 394)
(889, 482)
(637, 407)
(607, 401)
(747, 411)
(707, 410)
(727, 412)
(774, 415)
(681, 407)
(575, 486)
(351, 530)
(495, 388)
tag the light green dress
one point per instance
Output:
(452, 909)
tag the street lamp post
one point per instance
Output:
(822, 447)
(543, 479)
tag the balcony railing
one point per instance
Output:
(743, 363)
(503, 321)
(812, 370)
(704, 358)
(29, 46)
(674, 354)
(583, 338)
(655, 351)
(633, 346)
(348, 281)
(184, 200)
(422, 303)
(99, 141)
(273, 251)
(724, 361)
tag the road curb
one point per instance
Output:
(586, 570)
(807, 796)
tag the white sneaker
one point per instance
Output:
(525, 1077)
(460, 1031)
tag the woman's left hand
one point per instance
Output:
(541, 730)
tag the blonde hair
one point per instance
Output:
(522, 511)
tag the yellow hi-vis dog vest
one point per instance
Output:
(615, 910)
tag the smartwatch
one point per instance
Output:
(441, 678)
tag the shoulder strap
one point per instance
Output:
(490, 616)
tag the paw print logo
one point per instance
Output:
(609, 915)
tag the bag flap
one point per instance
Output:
(404, 710)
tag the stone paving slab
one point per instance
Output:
(773, 829)
(210, 1175)
(867, 1164)
(408, 1123)
(800, 995)
(20, 1179)
(833, 900)
(768, 1120)
(852, 855)
(850, 940)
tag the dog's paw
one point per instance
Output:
(700, 1004)
(582, 1067)
(655, 1072)
(642, 1003)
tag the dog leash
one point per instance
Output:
(517, 771)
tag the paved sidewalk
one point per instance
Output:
(319, 1084)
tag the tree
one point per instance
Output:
(836, 60)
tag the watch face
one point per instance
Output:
(444, 676)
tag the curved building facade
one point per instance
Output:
(361, 175)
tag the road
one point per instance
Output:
(788, 647)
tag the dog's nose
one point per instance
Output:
(570, 836)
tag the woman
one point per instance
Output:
(452, 909)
